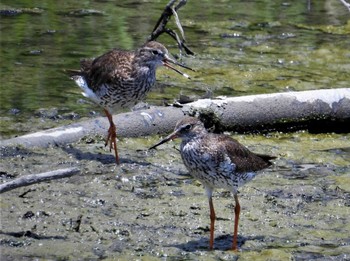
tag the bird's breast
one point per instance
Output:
(124, 93)
(212, 168)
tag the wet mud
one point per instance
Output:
(149, 208)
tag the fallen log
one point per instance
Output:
(317, 111)
(325, 110)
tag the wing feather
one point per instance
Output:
(107, 68)
(242, 157)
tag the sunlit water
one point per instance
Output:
(242, 47)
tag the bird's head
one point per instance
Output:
(155, 54)
(186, 129)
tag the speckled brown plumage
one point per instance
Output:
(218, 161)
(120, 79)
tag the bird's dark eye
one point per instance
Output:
(155, 52)
(187, 127)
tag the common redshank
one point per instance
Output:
(217, 161)
(120, 79)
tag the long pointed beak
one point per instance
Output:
(166, 139)
(166, 62)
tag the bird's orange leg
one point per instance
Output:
(112, 136)
(237, 212)
(212, 222)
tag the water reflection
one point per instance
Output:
(241, 48)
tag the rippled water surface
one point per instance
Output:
(242, 47)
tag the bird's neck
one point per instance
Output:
(194, 138)
(142, 70)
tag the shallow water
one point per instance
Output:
(149, 208)
(241, 48)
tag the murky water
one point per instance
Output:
(149, 208)
(241, 48)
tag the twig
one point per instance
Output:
(164, 19)
(346, 4)
(37, 178)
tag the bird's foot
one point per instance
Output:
(112, 141)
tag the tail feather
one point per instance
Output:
(84, 86)
(85, 65)
(267, 158)
(72, 72)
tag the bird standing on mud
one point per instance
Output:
(217, 161)
(120, 79)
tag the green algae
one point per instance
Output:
(330, 29)
(150, 208)
(236, 53)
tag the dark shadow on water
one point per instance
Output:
(12, 151)
(222, 243)
(103, 158)
(30, 234)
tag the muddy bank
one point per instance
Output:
(150, 208)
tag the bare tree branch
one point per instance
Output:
(346, 4)
(160, 27)
(37, 178)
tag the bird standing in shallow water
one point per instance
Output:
(120, 79)
(218, 161)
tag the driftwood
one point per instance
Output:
(346, 4)
(160, 28)
(326, 110)
(37, 178)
